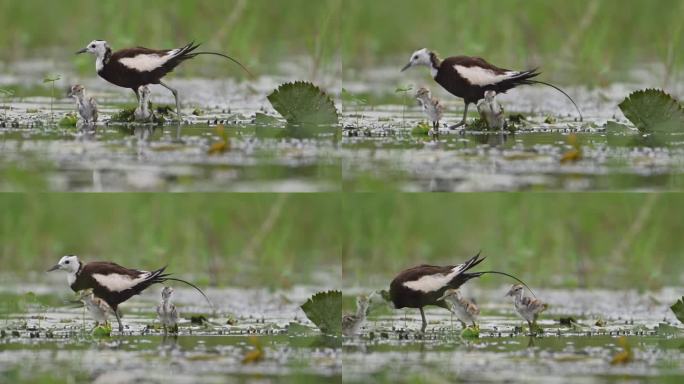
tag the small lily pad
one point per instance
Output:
(653, 110)
(325, 310)
(471, 332)
(69, 120)
(422, 129)
(102, 331)
(304, 103)
(678, 309)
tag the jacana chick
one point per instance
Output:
(352, 323)
(465, 310)
(491, 111)
(527, 308)
(98, 309)
(86, 106)
(166, 311)
(432, 107)
(142, 113)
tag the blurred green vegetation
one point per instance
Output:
(260, 33)
(621, 240)
(589, 40)
(273, 240)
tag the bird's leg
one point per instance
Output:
(137, 97)
(422, 315)
(463, 121)
(118, 319)
(175, 95)
(463, 324)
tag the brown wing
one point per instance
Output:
(469, 61)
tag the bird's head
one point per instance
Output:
(515, 290)
(166, 293)
(449, 293)
(144, 91)
(419, 57)
(76, 91)
(423, 93)
(86, 295)
(489, 95)
(98, 48)
(67, 263)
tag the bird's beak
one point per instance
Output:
(54, 268)
(84, 50)
(406, 67)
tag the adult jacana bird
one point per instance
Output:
(423, 285)
(134, 67)
(469, 77)
(111, 282)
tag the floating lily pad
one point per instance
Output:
(653, 110)
(471, 332)
(325, 310)
(678, 309)
(304, 103)
(102, 331)
(69, 120)
(422, 129)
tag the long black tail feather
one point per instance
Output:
(478, 274)
(165, 278)
(559, 90)
(224, 56)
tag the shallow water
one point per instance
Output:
(49, 340)
(390, 348)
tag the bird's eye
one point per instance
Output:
(66, 262)
(92, 46)
(415, 57)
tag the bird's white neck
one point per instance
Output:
(99, 63)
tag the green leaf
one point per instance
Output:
(49, 79)
(102, 331)
(470, 332)
(325, 310)
(304, 103)
(678, 309)
(653, 110)
(264, 119)
(69, 120)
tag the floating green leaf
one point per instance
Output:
(653, 110)
(678, 309)
(102, 331)
(325, 310)
(304, 103)
(471, 332)
(69, 120)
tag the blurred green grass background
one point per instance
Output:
(260, 33)
(271, 240)
(613, 240)
(593, 41)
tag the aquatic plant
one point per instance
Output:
(357, 101)
(404, 91)
(304, 103)
(324, 309)
(653, 111)
(69, 120)
(52, 80)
